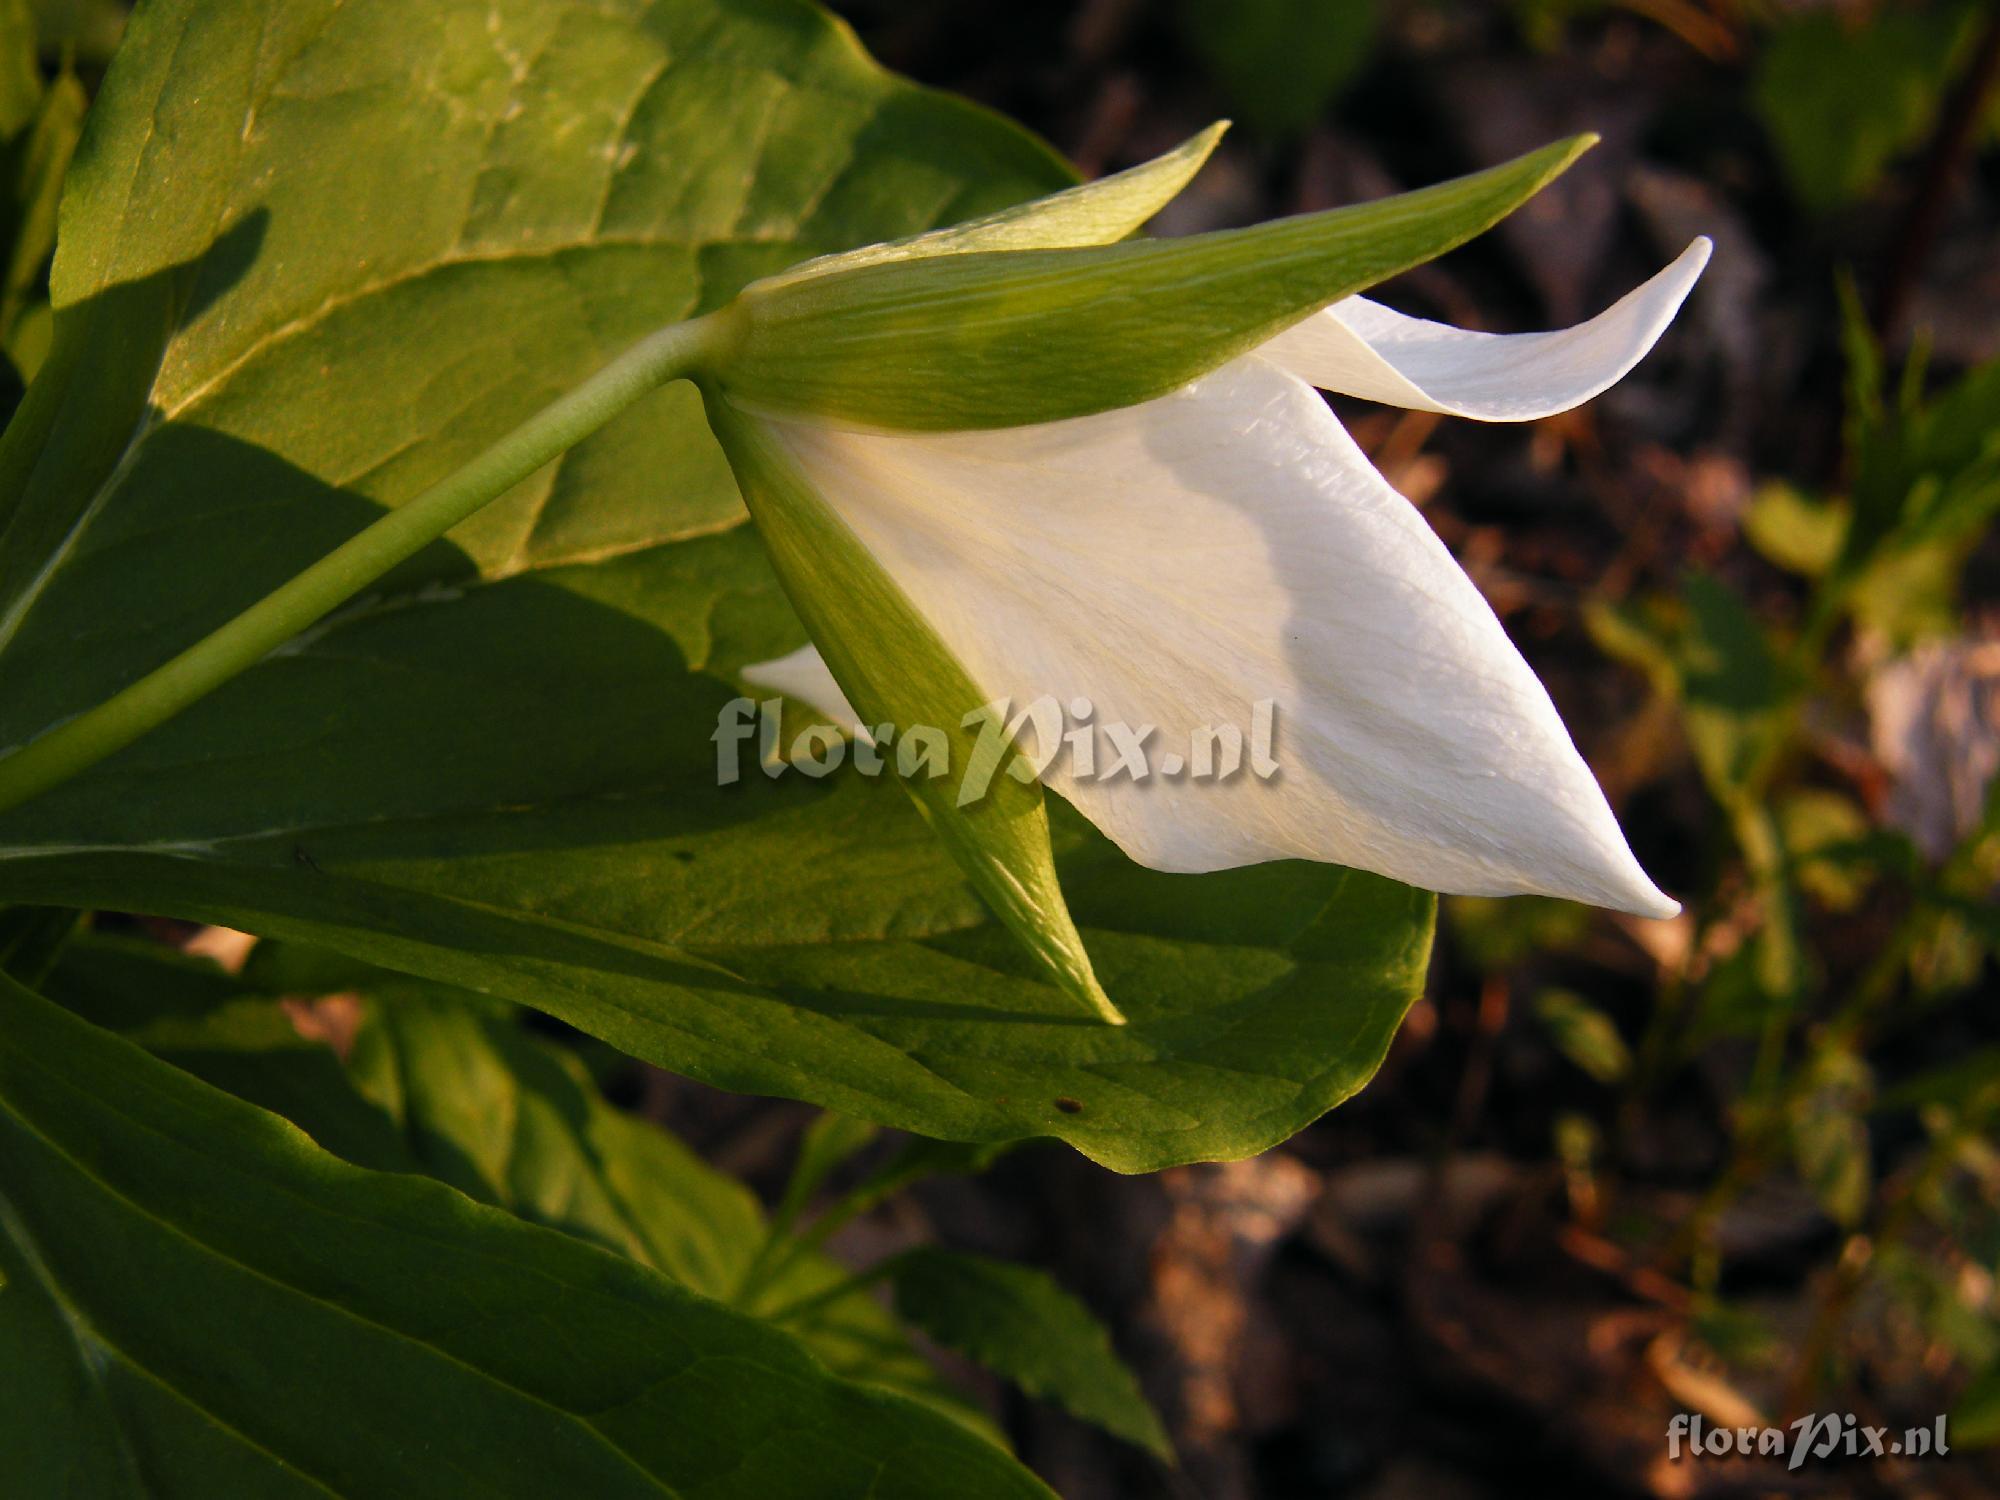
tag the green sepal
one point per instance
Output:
(947, 342)
(895, 670)
(1092, 213)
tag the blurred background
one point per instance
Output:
(1741, 1164)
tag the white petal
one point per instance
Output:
(1175, 562)
(803, 675)
(1361, 348)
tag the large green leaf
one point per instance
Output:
(211, 1024)
(1258, 999)
(353, 243)
(1281, 62)
(198, 1301)
(414, 225)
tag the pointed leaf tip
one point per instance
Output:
(1091, 213)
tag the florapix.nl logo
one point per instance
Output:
(1817, 1436)
(993, 740)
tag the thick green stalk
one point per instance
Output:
(670, 354)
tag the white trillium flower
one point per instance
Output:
(1031, 467)
(1173, 562)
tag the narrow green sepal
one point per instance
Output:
(895, 670)
(947, 342)
(1092, 213)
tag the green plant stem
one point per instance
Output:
(777, 1255)
(671, 353)
(846, 1286)
(782, 1249)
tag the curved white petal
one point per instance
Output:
(1175, 562)
(1361, 348)
(804, 675)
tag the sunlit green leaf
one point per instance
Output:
(1794, 530)
(1843, 92)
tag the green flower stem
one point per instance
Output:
(672, 353)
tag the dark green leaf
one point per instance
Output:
(1733, 684)
(1019, 1323)
(216, 1026)
(1843, 93)
(1975, 1420)
(251, 1316)
(445, 1083)
(514, 1123)
(32, 936)
(1281, 62)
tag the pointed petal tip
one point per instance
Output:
(1658, 907)
(1614, 883)
(1610, 875)
(1362, 348)
(1628, 888)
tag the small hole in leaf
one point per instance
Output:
(1069, 1106)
